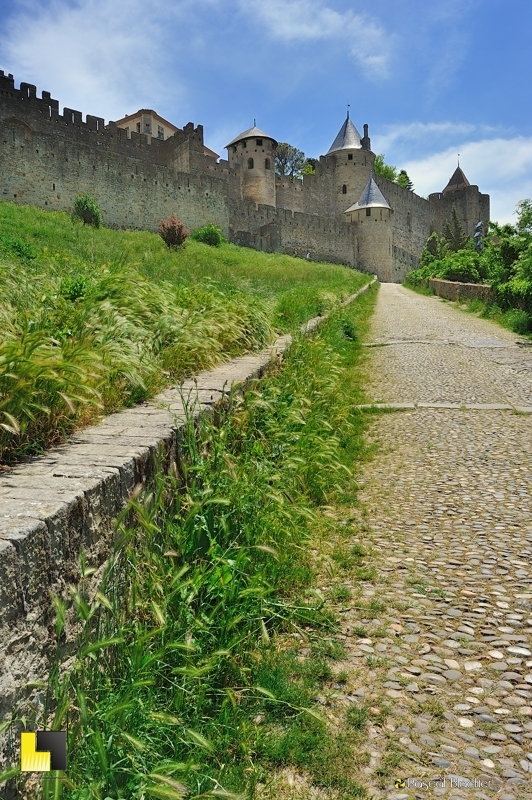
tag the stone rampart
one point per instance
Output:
(295, 233)
(452, 290)
(42, 170)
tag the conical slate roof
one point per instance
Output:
(457, 181)
(348, 138)
(371, 197)
(251, 133)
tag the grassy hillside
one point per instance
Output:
(93, 320)
(203, 661)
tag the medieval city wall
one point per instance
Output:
(38, 169)
(47, 158)
(412, 221)
(295, 233)
(471, 207)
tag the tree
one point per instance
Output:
(87, 209)
(454, 233)
(524, 216)
(309, 167)
(383, 169)
(289, 161)
(404, 181)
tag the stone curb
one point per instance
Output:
(451, 406)
(67, 501)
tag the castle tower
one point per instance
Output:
(353, 160)
(253, 153)
(471, 206)
(372, 216)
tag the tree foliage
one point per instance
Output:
(454, 234)
(385, 170)
(380, 167)
(505, 262)
(87, 209)
(309, 167)
(289, 161)
(210, 234)
(404, 181)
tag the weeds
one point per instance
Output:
(183, 678)
(95, 320)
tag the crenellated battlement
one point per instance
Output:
(48, 157)
(42, 115)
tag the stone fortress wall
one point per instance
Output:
(47, 158)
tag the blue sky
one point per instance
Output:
(432, 78)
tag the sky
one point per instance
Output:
(431, 78)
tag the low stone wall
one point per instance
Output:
(67, 501)
(452, 290)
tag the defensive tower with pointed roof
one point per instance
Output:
(470, 204)
(343, 212)
(351, 158)
(373, 243)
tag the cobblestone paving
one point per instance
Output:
(447, 514)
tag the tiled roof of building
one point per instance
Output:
(251, 133)
(348, 138)
(152, 113)
(371, 197)
(457, 181)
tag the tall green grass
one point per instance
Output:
(95, 320)
(184, 682)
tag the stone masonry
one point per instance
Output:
(445, 515)
(47, 158)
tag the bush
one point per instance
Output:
(462, 266)
(87, 209)
(12, 245)
(520, 322)
(173, 232)
(210, 234)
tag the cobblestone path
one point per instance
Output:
(447, 515)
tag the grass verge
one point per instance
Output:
(513, 319)
(95, 320)
(189, 677)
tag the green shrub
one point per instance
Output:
(173, 232)
(210, 234)
(520, 321)
(462, 266)
(12, 245)
(87, 209)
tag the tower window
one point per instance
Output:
(250, 163)
(267, 163)
(138, 127)
(368, 212)
(344, 189)
(244, 144)
(350, 156)
(234, 148)
(160, 132)
(259, 142)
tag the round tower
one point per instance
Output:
(371, 216)
(353, 162)
(253, 152)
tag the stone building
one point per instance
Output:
(342, 213)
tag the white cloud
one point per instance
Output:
(501, 167)
(102, 57)
(309, 20)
